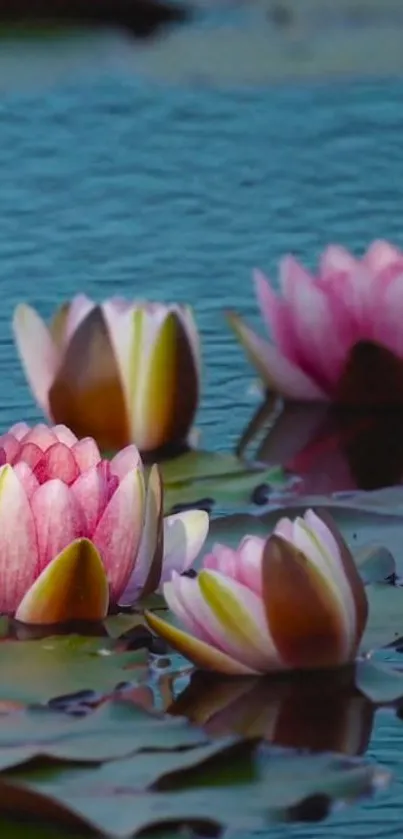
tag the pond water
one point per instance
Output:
(120, 187)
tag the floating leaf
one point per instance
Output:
(375, 563)
(269, 786)
(36, 671)
(113, 730)
(380, 683)
(385, 617)
(212, 477)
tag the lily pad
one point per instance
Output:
(380, 683)
(385, 618)
(113, 730)
(269, 786)
(215, 478)
(36, 671)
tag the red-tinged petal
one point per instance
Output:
(276, 371)
(146, 575)
(72, 587)
(86, 454)
(118, 533)
(381, 255)
(57, 462)
(91, 492)
(42, 435)
(184, 536)
(38, 352)
(201, 654)
(26, 477)
(18, 545)
(57, 517)
(30, 454)
(125, 460)
(303, 615)
(64, 435)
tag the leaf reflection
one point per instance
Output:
(319, 712)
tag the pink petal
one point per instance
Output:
(381, 255)
(124, 461)
(250, 553)
(223, 559)
(118, 533)
(80, 307)
(92, 493)
(11, 447)
(178, 595)
(18, 545)
(285, 529)
(276, 314)
(38, 353)
(184, 536)
(26, 477)
(64, 435)
(57, 517)
(19, 430)
(41, 435)
(336, 260)
(149, 559)
(30, 454)
(86, 453)
(57, 462)
(278, 373)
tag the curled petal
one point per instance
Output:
(26, 477)
(201, 654)
(18, 547)
(146, 575)
(118, 532)
(38, 352)
(303, 614)
(72, 587)
(184, 536)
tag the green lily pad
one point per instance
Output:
(112, 731)
(245, 792)
(219, 478)
(36, 671)
(375, 563)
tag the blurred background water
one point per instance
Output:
(120, 186)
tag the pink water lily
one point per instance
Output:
(294, 601)
(79, 534)
(121, 372)
(317, 321)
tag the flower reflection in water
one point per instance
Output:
(328, 448)
(319, 712)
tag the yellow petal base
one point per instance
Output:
(72, 587)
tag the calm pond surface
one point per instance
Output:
(121, 187)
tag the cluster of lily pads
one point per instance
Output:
(87, 546)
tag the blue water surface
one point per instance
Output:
(114, 186)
